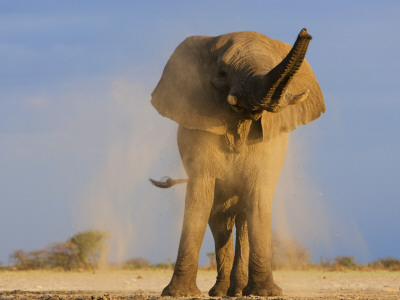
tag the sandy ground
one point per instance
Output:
(147, 284)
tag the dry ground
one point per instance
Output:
(147, 284)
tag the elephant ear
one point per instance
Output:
(298, 114)
(183, 92)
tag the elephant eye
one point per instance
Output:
(222, 74)
(220, 79)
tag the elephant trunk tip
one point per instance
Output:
(304, 34)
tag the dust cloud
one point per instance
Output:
(302, 212)
(146, 222)
(119, 198)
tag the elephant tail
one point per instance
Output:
(167, 182)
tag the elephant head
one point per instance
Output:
(209, 82)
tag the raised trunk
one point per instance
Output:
(277, 80)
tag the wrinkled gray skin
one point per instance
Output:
(235, 97)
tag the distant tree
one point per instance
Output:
(347, 262)
(136, 263)
(29, 260)
(90, 247)
(19, 259)
(63, 255)
(212, 261)
(38, 259)
(83, 250)
(387, 263)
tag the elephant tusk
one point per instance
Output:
(232, 100)
(294, 99)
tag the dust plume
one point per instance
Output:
(119, 198)
(146, 222)
(302, 212)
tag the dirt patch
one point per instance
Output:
(148, 284)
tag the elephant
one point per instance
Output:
(235, 97)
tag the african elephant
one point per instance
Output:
(235, 97)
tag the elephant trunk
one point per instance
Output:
(277, 80)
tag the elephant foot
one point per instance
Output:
(234, 291)
(237, 285)
(181, 288)
(219, 289)
(266, 290)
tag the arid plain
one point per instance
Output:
(147, 284)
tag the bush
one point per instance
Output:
(289, 254)
(164, 266)
(387, 263)
(63, 255)
(33, 260)
(83, 250)
(346, 261)
(136, 263)
(340, 263)
(212, 260)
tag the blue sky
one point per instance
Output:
(79, 138)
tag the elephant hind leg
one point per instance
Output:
(240, 270)
(221, 224)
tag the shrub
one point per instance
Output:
(164, 266)
(346, 262)
(18, 259)
(289, 254)
(22, 260)
(136, 263)
(212, 260)
(387, 263)
(63, 255)
(340, 263)
(83, 250)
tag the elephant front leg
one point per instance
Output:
(258, 214)
(198, 203)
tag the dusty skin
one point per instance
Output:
(149, 284)
(235, 97)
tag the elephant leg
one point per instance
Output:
(258, 214)
(239, 274)
(198, 204)
(221, 225)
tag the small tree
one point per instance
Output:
(90, 247)
(387, 263)
(38, 259)
(136, 263)
(29, 260)
(18, 259)
(213, 262)
(64, 255)
(347, 262)
(288, 254)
